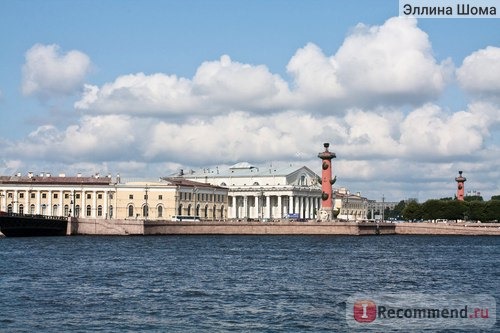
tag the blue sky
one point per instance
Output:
(130, 86)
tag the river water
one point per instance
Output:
(226, 283)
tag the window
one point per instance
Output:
(9, 195)
(130, 211)
(160, 197)
(99, 210)
(66, 210)
(89, 196)
(160, 211)
(145, 211)
(54, 210)
(89, 210)
(21, 195)
(21, 209)
(99, 196)
(66, 195)
(77, 195)
(110, 212)
(56, 195)
(32, 209)
(33, 195)
(131, 196)
(77, 210)
(9, 208)
(44, 195)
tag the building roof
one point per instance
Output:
(179, 181)
(54, 180)
(245, 169)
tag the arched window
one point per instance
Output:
(77, 210)
(110, 212)
(197, 210)
(160, 211)
(21, 209)
(189, 210)
(44, 209)
(179, 210)
(9, 208)
(54, 210)
(206, 211)
(66, 210)
(221, 212)
(99, 210)
(145, 211)
(130, 211)
(32, 209)
(214, 212)
(89, 210)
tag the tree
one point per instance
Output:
(473, 198)
(492, 211)
(412, 211)
(476, 211)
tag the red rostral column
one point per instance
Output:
(460, 186)
(326, 211)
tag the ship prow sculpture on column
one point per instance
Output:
(326, 212)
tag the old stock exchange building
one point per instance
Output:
(265, 193)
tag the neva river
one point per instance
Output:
(226, 283)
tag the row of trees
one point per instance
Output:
(473, 208)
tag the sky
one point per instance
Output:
(146, 88)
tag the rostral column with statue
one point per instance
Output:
(326, 210)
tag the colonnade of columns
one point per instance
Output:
(60, 202)
(263, 206)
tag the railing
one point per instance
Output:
(47, 217)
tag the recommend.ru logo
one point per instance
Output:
(418, 311)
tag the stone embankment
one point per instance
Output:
(448, 228)
(141, 227)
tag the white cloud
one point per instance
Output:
(388, 64)
(140, 94)
(48, 73)
(218, 86)
(429, 133)
(234, 85)
(480, 72)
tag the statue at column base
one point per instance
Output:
(325, 214)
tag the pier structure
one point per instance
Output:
(460, 186)
(326, 210)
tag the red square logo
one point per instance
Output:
(365, 311)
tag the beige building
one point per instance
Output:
(106, 198)
(351, 207)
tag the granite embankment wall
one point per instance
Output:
(82, 226)
(267, 228)
(141, 227)
(448, 228)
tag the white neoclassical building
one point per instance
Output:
(262, 193)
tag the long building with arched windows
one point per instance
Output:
(106, 198)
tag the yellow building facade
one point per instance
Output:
(106, 198)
